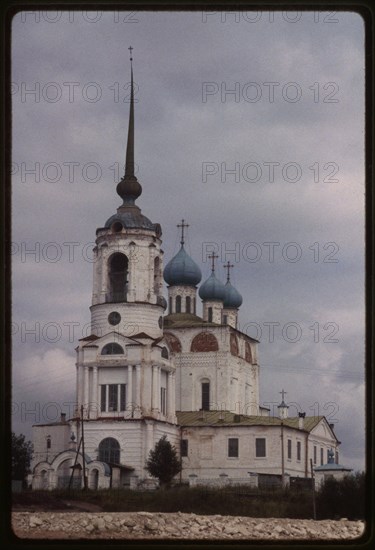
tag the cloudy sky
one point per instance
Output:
(251, 127)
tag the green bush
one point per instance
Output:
(343, 498)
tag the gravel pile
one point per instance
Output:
(145, 525)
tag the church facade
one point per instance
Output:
(153, 367)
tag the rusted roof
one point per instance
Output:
(226, 418)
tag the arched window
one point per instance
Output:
(170, 304)
(109, 451)
(205, 391)
(164, 353)
(112, 349)
(48, 441)
(210, 315)
(118, 277)
(188, 304)
(178, 304)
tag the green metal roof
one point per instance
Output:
(183, 320)
(226, 418)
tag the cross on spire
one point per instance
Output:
(131, 53)
(182, 225)
(213, 257)
(228, 267)
(283, 394)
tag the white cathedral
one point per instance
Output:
(145, 372)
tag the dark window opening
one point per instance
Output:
(112, 397)
(170, 304)
(116, 397)
(205, 396)
(164, 353)
(109, 451)
(260, 447)
(233, 447)
(184, 447)
(298, 450)
(103, 398)
(188, 304)
(118, 277)
(321, 456)
(178, 304)
(289, 449)
(112, 349)
(163, 400)
(48, 442)
(122, 397)
(210, 314)
(315, 454)
(157, 275)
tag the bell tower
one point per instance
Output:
(128, 262)
(124, 370)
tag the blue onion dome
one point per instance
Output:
(212, 289)
(232, 298)
(182, 270)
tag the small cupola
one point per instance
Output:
(232, 300)
(283, 407)
(212, 293)
(182, 276)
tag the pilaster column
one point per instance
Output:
(85, 389)
(170, 408)
(129, 390)
(78, 392)
(138, 390)
(102, 257)
(94, 394)
(131, 274)
(154, 391)
(173, 412)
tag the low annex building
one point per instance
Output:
(152, 367)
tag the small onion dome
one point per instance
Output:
(182, 270)
(212, 289)
(232, 298)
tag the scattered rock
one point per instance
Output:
(146, 525)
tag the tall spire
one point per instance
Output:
(129, 160)
(129, 188)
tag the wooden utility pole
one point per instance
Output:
(313, 488)
(282, 456)
(83, 451)
(74, 465)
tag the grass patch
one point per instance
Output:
(198, 500)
